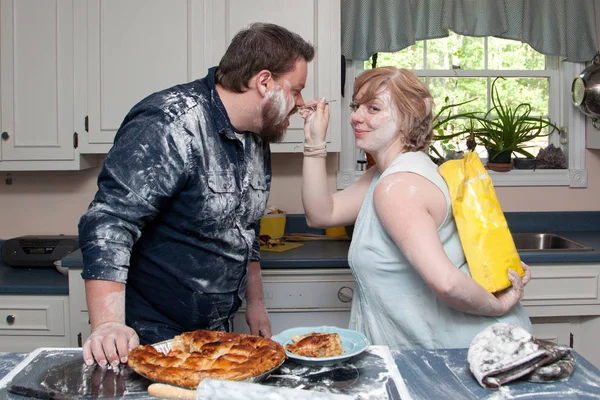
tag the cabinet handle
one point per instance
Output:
(5, 135)
(79, 340)
(10, 319)
(345, 294)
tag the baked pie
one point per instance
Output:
(201, 354)
(316, 344)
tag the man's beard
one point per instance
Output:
(273, 128)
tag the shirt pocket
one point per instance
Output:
(222, 194)
(221, 181)
(259, 196)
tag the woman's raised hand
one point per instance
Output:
(316, 120)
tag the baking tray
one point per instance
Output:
(60, 373)
(166, 345)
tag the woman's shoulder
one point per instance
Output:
(415, 161)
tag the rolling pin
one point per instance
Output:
(164, 391)
(215, 389)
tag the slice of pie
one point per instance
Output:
(316, 344)
(201, 354)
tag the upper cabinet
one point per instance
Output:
(70, 70)
(316, 21)
(135, 48)
(37, 86)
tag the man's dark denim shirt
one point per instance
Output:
(177, 212)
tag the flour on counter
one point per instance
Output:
(371, 375)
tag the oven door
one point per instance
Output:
(304, 297)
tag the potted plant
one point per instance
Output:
(505, 130)
(441, 121)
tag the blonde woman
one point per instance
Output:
(413, 287)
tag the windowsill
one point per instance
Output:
(539, 177)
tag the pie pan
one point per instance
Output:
(165, 346)
(353, 343)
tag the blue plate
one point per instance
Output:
(353, 343)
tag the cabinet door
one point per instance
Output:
(80, 320)
(135, 48)
(36, 81)
(31, 321)
(556, 330)
(316, 21)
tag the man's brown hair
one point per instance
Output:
(261, 46)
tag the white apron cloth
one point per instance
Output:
(392, 304)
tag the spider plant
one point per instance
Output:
(442, 119)
(508, 129)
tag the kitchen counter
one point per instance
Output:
(32, 280)
(334, 254)
(583, 227)
(443, 374)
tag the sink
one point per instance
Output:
(532, 241)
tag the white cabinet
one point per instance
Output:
(319, 23)
(31, 321)
(556, 330)
(80, 328)
(135, 48)
(71, 70)
(37, 86)
(563, 301)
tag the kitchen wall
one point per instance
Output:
(52, 202)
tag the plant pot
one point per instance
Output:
(499, 157)
(499, 161)
(524, 163)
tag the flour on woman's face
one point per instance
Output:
(376, 123)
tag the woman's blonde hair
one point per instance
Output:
(414, 103)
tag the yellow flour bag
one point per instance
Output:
(488, 245)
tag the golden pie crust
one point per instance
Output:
(316, 344)
(204, 354)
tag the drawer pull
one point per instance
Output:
(345, 294)
(10, 319)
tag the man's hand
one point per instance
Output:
(257, 319)
(110, 343)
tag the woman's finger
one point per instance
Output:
(527, 271)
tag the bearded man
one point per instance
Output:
(170, 241)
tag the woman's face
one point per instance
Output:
(375, 123)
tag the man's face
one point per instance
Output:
(280, 102)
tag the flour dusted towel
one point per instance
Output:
(502, 353)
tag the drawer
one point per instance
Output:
(559, 290)
(33, 315)
(570, 284)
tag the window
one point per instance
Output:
(459, 68)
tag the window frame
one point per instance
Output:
(570, 119)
